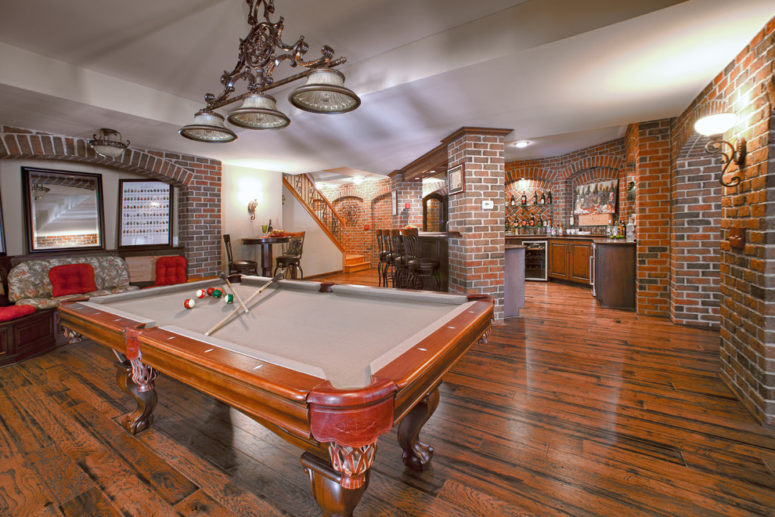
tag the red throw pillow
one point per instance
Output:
(170, 270)
(15, 311)
(72, 279)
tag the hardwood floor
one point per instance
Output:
(568, 410)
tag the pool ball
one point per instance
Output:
(229, 298)
(217, 293)
(210, 291)
(189, 303)
(201, 293)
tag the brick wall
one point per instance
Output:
(476, 259)
(695, 294)
(747, 281)
(368, 204)
(198, 181)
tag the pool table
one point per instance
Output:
(327, 367)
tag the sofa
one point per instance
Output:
(29, 283)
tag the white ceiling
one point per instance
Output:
(562, 73)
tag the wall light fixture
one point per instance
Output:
(714, 126)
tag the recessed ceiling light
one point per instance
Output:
(357, 180)
(521, 144)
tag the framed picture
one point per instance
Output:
(394, 195)
(145, 217)
(63, 210)
(456, 180)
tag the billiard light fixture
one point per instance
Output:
(714, 126)
(260, 52)
(108, 143)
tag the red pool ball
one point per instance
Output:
(189, 303)
(210, 291)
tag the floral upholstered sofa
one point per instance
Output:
(29, 284)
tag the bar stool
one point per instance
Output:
(396, 258)
(410, 260)
(384, 257)
(420, 268)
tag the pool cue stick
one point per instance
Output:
(225, 320)
(225, 278)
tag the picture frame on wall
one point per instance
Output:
(456, 181)
(145, 214)
(63, 210)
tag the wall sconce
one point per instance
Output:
(252, 209)
(714, 126)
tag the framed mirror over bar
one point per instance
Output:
(63, 210)
(145, 215)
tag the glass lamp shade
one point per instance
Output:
(325, 93)
(259, 111)
(108, 143)
(208, 126)
(717, 124)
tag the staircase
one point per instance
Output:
(317, 205)
(353, 263)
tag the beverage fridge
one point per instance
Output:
(535, 260)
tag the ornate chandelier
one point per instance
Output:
(260, 53)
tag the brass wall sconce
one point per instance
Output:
(252, 209)
(714, 126)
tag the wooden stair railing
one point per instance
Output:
(317, 205)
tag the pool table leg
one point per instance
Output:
(137, 379)
(329, 485)
(417, 455)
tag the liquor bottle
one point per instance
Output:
(535, 197)
(512, 201)
(542, 201)
(549, 197)
(524, 199)
(269, 227)
(532, 221)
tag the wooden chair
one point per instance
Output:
(291, 256)
(245, 267)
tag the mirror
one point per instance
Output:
(434, 213)
(63, 210)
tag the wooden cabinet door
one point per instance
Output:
(579, 262)
(558, 259)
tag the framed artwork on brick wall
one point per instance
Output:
(145, 215)
(63, 210)
(456, 179)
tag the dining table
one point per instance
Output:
(266, 242)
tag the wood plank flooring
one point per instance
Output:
(568, 410)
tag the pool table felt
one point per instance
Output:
(343, 336)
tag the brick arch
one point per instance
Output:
(198, 181)
(591, 162)
(18, 144)
(529, 173)
(695, 236)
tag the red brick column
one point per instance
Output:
(653, 215)
(476, 259)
